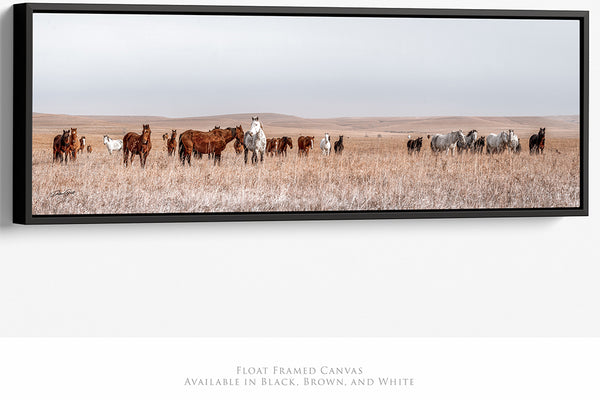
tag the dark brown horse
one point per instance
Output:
(305, 143)
(338, 146)
(537, 142)
(134, 143)
(414, 145)
(479, 145)
(284, 143)
(172, 142)
(61, 146)
(89, 148)
(213, 142)
(74, 144)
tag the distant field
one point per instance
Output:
(374, 172)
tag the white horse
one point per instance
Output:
(447, 142)
(112, 145)
(255, 141)
(326, 145)
(496, 143)
(513, 141)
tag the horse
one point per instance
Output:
(137, 144)
(212, 142)
(89, 148)
(305, 143)
(496, 143)
(338, 146)
(537, 142)
(112, 145)
(326, 145)
(60, 146)
(238, 131)
(414, 145)
(82, 144)
(479, 145)
(271, 146)
(513, 141)
(73, 145)
(284, 143)
(469, 144)
(238, 146)
(172, 143)
(447, 142)
(255, 141)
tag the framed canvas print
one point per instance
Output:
(144, 113)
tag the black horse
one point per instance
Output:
(479, 145)
(537, 142)
(414, 145)
(338, 146)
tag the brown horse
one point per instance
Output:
(238, 146)
(60, 146)
(272, 145)
(213, 142)
(537, 142)
(305, 143)
(284, 143)
(74, 144)
(137, 144)
(172, 143)
(89, 148)
(81, 144)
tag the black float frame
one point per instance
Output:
(23, 91)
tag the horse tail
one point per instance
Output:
(181, 148)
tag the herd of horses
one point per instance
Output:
(493, 143)
(255, 143)
(66, 146)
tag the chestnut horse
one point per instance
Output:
(238, 146)
(74, 145)
(172, 143)
(305, 143)
(82, 144)
(213, 142)
(61, 146)
(137, 144)
(537, 142)
(89, 148)
(272, 145)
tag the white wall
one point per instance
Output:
(360, 278)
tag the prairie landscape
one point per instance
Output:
(374, 172)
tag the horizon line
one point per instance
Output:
(318, 118)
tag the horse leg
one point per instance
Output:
(245, 155)
(262, 154)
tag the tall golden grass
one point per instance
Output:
(371, 174)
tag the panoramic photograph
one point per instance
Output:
(138, 114)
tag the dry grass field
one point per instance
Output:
(374, 172)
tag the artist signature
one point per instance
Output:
(62, 192)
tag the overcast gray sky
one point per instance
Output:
(310, 67)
